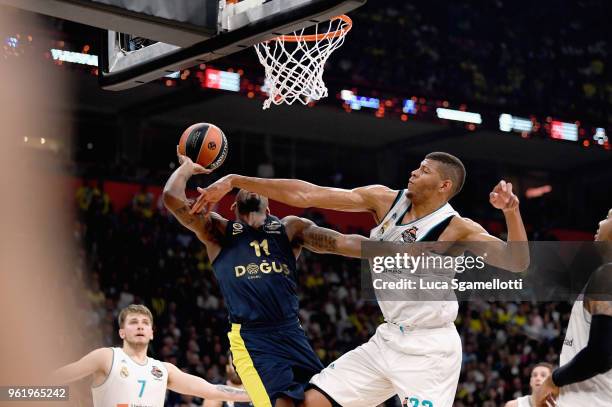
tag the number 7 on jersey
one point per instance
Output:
(142, 382)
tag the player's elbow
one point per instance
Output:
(170, 201)
(520, 264)
(519, 257)
(351, 246)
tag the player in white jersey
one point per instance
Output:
(584, 377)
(539, 374)
(416, 354)
(126, 377)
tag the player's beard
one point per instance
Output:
(251, 204)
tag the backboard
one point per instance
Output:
(237, 25)
(147, 39)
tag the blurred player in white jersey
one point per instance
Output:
(584, 377)
(539, 374)
(416, 354)
(126, 376)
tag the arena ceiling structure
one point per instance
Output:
(173, 107)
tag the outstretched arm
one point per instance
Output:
(207, 228)
(305, 233)
(512, 256)
(98, 360)
(301, 194)
(184, 383)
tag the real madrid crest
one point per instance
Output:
(410, 235)
(124, 372)
(384, 227)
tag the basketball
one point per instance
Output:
(205, 144)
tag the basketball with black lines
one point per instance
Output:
(205, 144)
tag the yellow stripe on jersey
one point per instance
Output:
(246, 369)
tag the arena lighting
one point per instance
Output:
(173, 75)
(74, 57)
(507, 123)
(216, 79)
(458, 115)
(409, 106)
(537, 192)
(600, 136)
(357, 102)
(564, 131)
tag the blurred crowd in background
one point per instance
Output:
(140, 254)
(540, 57)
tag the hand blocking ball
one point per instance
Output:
(205, 144)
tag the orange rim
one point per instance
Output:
(318, 37)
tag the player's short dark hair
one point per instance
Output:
(452, 168)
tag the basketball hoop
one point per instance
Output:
(294, 63)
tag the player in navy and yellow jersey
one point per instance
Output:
(254, 260)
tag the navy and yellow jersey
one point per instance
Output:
(273, 361)
(256, 271)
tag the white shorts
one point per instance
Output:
(422, 367)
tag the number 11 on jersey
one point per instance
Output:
(260, 245)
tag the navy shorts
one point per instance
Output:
(273, 361)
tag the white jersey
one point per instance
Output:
(596, 391)
(130, 384)
(423, 314)
(524, 401)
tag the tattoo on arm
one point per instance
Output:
(321, 240)
(229, 390)
(184, 216)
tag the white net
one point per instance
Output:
(294, 63)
